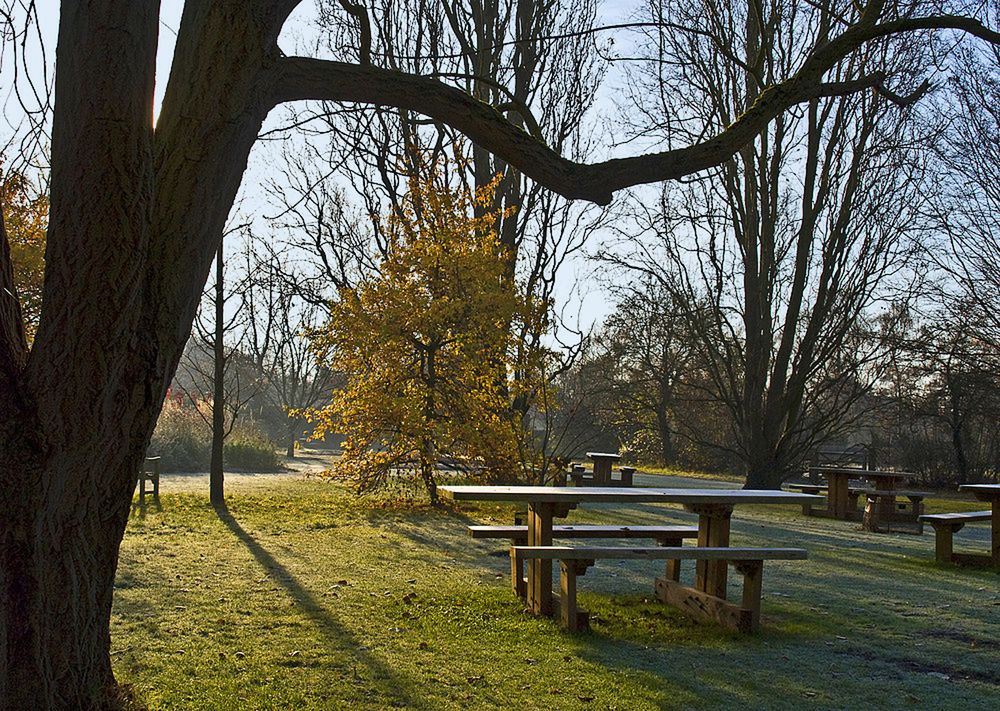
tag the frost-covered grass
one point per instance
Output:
(301, 596)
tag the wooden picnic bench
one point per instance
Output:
(714, 508)
(946, 525)
(518, 536)
(744, 617)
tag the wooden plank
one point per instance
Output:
(539, 570)
(958, 516)
(943, 540)
(569, 614)
(585, 494)
(565, 531)
(753, 574)
(679, 553)
(517, 579)
(703, 606)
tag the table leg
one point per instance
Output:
(995, 542)
(713, 532)
(540, 571)
(838, 493)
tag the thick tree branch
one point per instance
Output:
(299, 78)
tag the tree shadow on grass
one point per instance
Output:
(390, 686)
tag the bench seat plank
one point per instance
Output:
(588, 531)
(688, 553)
(958, 516)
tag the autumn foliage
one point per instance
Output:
(25, 218)
(425, 347)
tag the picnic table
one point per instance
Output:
(990, 493)
(713, 506)
(881, 511)
(603, 462)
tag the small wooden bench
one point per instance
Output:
(747, 561)
(945, 526)
(150, 472)
(518, 536)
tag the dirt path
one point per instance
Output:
(306, 463)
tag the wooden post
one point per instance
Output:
(568, 613)
(838, 485)
(752, 571)
(673, 567)
(943, 543)
(517, 575)
(540, 571)
(155, 461)
(627, 475)
(713, 531)
(995, 535)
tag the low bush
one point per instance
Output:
(181, 439)
(247, 448)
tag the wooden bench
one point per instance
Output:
(945, 526)
(518, 536)
(150, 472)
(748, 561)
(883, 512)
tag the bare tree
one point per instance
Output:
(789, 245)
(213, 368)
(137, 211)
(279, 322)
(965, 191)
(650, 355)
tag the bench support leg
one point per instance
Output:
(570, 617)
(943, 543)
(995, 535)
(752, 571)
(673, 567)
(517, 580)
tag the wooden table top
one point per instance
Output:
(598, 494)
(862, 473)
(983, 492)
(603, 455)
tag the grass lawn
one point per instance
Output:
(302, 597)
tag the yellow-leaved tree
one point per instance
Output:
(25, 219)
(424, 345)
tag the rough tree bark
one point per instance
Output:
(135, 222)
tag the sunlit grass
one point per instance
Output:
(303, 597)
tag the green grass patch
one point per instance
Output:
(302, 597)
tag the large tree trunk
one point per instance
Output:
(134, 224)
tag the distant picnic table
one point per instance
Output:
(881, 488)
(713, 553)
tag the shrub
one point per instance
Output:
(181, 439)
(247, 448)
